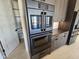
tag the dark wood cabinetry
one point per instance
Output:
(70, 17)
(70, 12)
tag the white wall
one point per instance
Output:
(1, 57)
(23, 15)
(8, 36)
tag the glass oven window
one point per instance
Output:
(48, 21)
(40, 41)
(35, 21)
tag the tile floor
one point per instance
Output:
(18, 53)
(65, 52)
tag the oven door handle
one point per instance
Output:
(41, 29)
(44, 29)
(42, 21)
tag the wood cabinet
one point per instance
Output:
(60, 10)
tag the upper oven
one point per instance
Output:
(40, 20)
(48, 20)
(35, 20)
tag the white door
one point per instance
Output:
(9, 37)
(1, 57)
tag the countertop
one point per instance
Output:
(56, 32)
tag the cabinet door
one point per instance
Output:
(64, 9)
(32, 3)
(60, 10)
(60, 41)
(52, 2)
(57, 9)
(63, 38)
(56, 43)
(77, 5)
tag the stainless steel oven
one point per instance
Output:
(39, 20)
(48, 20)
(35, 20)
(40, 43)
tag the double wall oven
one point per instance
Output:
(40, 21)
(40, 18)
(40, 25)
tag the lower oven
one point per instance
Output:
(40, 43)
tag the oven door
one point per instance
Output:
(49, 21)
(37, 42)
(40, 43)
(35, 21)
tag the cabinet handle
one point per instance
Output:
(64, 36)
(56, 39)
(39, 5)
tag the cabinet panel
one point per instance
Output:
(63, 38)
(32, 4)
(60, 10)
(52, 2)
(56, 43)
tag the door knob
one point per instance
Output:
(16, 29)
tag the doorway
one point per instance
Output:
(16, 13)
